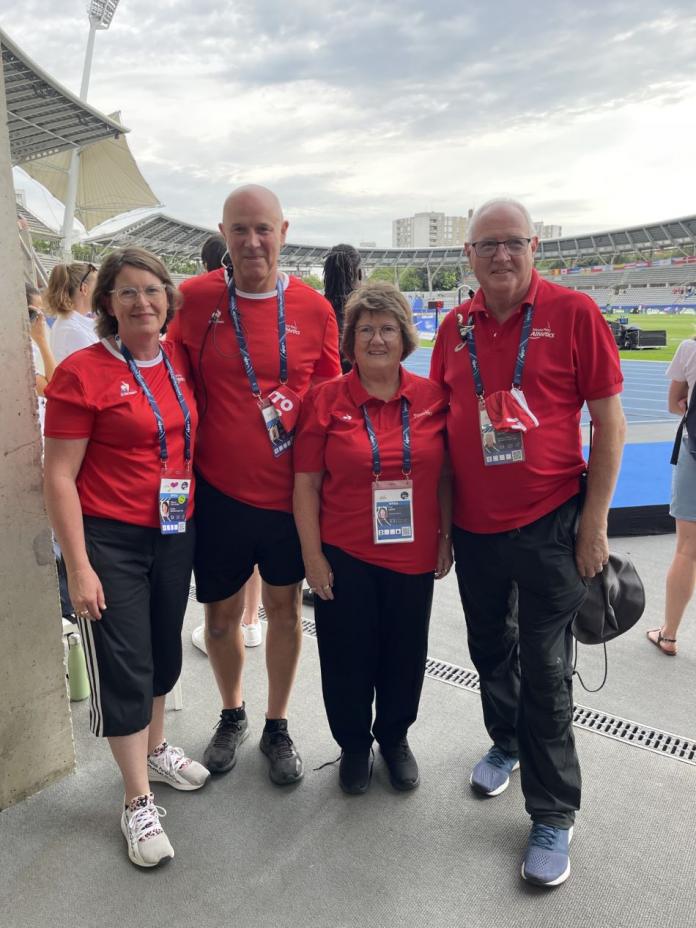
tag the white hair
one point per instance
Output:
(499, 201)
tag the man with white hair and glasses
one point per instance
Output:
(520, 358)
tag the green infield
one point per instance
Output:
(678, 328)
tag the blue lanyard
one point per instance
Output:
(161, 431)
(521, 351)
(405, 431)
(241, 338)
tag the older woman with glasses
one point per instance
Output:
(69, 298)
(372, 506)
(120, 433)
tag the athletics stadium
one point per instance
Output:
(256, 856)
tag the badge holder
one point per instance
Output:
(174, 494)
(392, 511)
(499, 447)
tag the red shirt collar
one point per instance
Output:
(359, 394)
(478, 302)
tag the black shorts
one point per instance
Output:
(134, 651)
(231, 537)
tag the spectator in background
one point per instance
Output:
(213, 251)
(681, 576)
(44, 362)
(69, 298)
(342, 274)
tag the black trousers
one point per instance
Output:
(373, 643)
(133, 652)
(520, 591)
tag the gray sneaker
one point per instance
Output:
(492, 773)
(286, 764)
(233, 728)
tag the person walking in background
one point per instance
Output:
(69, 298)
(120, 434)
(342, 274)
(520, 359)
(681, 576)
(373, 509)
(257, 339)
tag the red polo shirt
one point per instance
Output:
(234, 453)
(571, 358)
(94, 395)
(332, 438)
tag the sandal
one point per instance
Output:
(668, 646)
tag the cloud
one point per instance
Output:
(359, 112)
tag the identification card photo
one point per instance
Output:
(173, 502)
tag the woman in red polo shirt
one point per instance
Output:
(372, 505)
(120, 431)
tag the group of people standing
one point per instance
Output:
(367, 482)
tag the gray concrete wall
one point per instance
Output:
(36, 744)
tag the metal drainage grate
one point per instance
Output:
(641, 736)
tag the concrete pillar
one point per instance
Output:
(36, 745)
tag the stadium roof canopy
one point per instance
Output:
(43, 117)
(158, 233)
(171, 237)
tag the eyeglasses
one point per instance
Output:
(386, 332)
(90, 270)
(127, 296)
(487, 247)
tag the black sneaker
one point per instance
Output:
(286, 763)
(355, 771)
(402, 765)
(232, 729)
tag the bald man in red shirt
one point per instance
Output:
(520, 358)
(257, 340)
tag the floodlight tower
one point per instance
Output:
(100, 13)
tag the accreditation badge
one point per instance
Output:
(279, 438)
(174, 495)
(499, 447)
(392, 511)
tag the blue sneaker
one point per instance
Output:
(492, 773)
(547, 862)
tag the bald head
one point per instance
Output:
(252, 195)
(254, 230)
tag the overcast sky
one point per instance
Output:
(357, 113)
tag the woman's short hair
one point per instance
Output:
(111, 266)
(63, 283)
(379, 296)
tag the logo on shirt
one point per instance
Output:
(542, 333)
(292, 329)
(180, 378)
(126, 389)
(426, 412)
(346, 417)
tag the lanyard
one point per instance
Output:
(161, 431)
(405, 431)
(241, 338)
(521, 351)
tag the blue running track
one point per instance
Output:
(645, 387)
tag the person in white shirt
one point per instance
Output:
(69, 298)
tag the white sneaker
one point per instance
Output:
(171, 766)
(198, 638)
(148, 845)
(253, 634)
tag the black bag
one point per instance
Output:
(615, 602)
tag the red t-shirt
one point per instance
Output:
(571, 358)
(234, 453)
(94, 395)
(331, 437)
